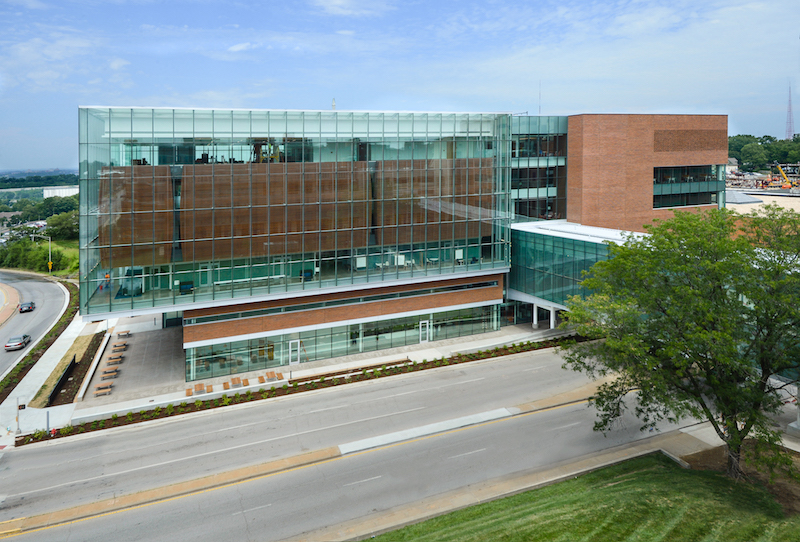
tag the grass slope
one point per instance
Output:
(644, 499)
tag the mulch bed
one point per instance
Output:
(71, 387)
(784, 489)
(294, 386)
(25, 365)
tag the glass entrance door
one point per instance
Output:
(294, 352)
(424, 331)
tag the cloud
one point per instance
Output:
(241, 47)
(118, 64)
(346, 32)
(28, 4)
(356, 8)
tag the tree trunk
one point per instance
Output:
(734, 467)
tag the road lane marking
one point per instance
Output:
(534, 368)
(286, 471)
(458, 383)
(467, 453)
(362, 481)
(324, 409)
(215, 452)
(251, 509)
(564, 426)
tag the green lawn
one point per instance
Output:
(645, 499)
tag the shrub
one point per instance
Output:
(198, 405)
(143, 414)
(225, 400)
(39, 434)
(93, 426)
(169, 409)
(285, 386)
(237, 398)
(101, 424)
(66, 430)
(129, 415)
(157, 411)
(249, 395)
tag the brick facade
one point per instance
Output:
(611, 160)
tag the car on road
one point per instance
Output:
(27, 307)
(18, 342)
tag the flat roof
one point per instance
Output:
(302, 110)
(573, 230)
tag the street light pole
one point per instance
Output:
(49, 250)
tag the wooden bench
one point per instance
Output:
(209, 388)
(261, 380)
(103, 389)
(236, 382)
(109, 373)
(188, 392)
(245, 382)
(271, 377)
(199, 388)
(116, 349)
(226, 386)
(116, 360)
(279, 376)
(115, 356)
(119, 345)
(125, 333)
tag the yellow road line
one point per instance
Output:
(292, 469)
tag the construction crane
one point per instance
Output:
(787, 183)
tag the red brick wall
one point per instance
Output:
(610, 161)
(277, 322)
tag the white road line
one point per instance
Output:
(251, 509)
(324, 409)
(534, 368)
(467, 453)
(216, 452)
(458, 383)
(564, 426)
(362, 481)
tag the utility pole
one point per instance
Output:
(49, 251)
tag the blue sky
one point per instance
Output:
(734, 57)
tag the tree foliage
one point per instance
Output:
(698, 319)
(757, 153)
(63, 226)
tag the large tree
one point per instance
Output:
(698, 318)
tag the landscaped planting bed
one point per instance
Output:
(294, 386)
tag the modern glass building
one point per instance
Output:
(279, 237)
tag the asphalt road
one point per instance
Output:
(49, 299)
(355, 486)
(87, 468)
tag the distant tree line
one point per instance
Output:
(64, 179)
(48, 209)
(758, 153)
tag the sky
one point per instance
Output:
(557, 57)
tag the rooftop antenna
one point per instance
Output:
(540, 97)
(333, 105)
(790, 117)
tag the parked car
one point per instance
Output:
(18, 342)
(27, 307)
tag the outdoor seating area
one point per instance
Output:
(235, 383)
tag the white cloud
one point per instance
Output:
(346, 32)
(28, 4)
(241, 47)
(118, 64)
(353, 7)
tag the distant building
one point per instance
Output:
(60, 191)
(279, 237)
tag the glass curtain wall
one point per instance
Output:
(551, 267)
(181, 205)
(539, 168)
(688, 185)
(285, 349)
